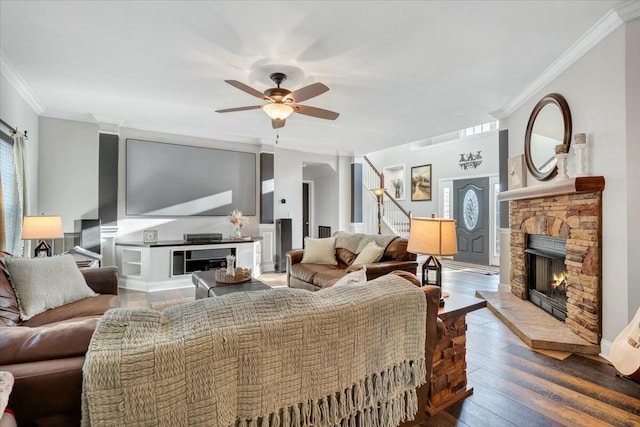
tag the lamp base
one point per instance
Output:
(432, 264)
(43, 250)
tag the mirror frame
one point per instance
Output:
(561, 103)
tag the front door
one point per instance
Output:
(471, 208)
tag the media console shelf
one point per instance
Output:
(185, 262)
(165, 265)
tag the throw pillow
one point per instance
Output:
(44, 283)
(319, 251)
(370, 253)
(358, 276)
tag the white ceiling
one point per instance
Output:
(398, 72)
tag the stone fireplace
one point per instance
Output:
(563, 220)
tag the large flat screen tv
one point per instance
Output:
(180, 180)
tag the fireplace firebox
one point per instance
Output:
(547, 274)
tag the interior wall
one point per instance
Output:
(15, 111)
(594, 88)
(632, 58)
(444, 159)
(130, 227)
(288, 178)
(325, 196)
(68, 170)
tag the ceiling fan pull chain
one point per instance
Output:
(277, 136)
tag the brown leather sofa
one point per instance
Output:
(314, 277)
(45, 354)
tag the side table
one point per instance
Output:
(449, 376)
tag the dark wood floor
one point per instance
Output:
(513, 385)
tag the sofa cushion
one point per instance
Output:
(54, 341)
(44, 283)
(88, 307)
(328, 277)
(370, 253)
(319, 251)
(358, 276)
(306, 272)
(345, 256)
(397, 251)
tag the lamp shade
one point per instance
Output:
(41, 227)
(278, 111)
(378, 192)
(433, 236)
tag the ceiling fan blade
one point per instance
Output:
(243, 87)
(316, 112)
(277, 123)
(231, 110)
(308, 92)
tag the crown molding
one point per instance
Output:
(19, 84)
(598, 32)
(629, 10)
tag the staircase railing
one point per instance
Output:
(394, 216)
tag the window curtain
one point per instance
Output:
(3, 225)
(15, 246)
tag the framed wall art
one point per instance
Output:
(421, 183)
(394, 181)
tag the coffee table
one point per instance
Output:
(207, 286)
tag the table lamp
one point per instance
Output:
(434, 237)
(42, 228)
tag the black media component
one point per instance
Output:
(202, 237)
(283, 243)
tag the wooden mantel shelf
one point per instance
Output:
(556, 187)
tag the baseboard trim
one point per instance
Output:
(605, 349)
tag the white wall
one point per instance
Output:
(325, 196)
(288, 185)
(68, 178)
(130, 227)
(594, 88)
(633, 156)
(444, 158)
(15, 111)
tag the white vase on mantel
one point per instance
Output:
(581, 155)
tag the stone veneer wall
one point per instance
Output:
(577, 218)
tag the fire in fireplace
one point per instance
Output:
(547, 274)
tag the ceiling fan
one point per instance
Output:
(283, 102)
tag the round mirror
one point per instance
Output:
(549, 125)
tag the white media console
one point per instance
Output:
(165, 265)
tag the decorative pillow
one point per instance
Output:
(44, 283)
(358, 276)
(370, 253)
(319, 251)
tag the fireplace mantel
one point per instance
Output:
(556, 187)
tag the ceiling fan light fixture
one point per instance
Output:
(278, 111)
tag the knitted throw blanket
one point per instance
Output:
(347, 356)
(355, 242)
